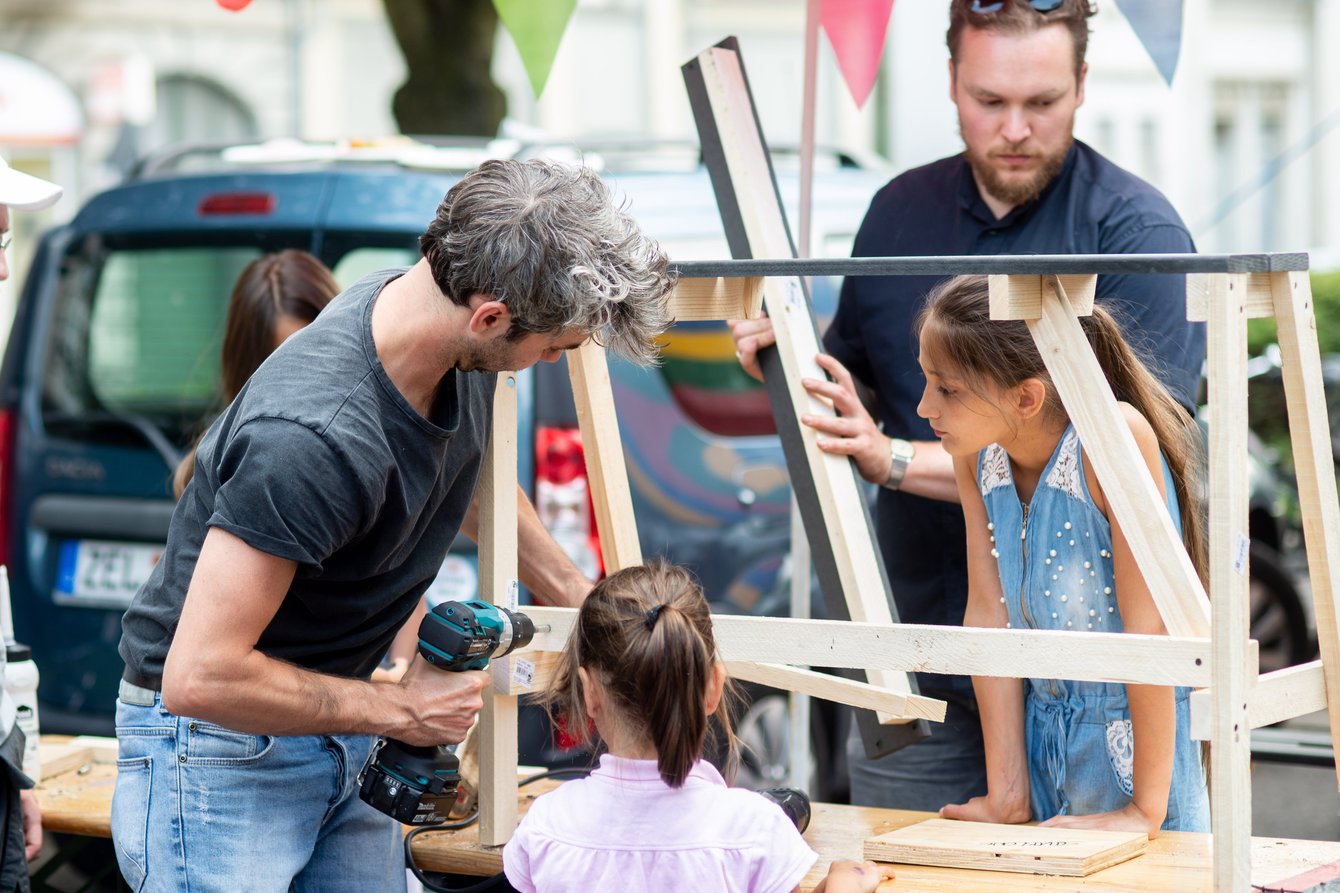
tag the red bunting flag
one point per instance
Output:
(856, 29)
(233, 5)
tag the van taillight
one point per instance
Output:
(563, 497)
(224, 203)
(6, 478)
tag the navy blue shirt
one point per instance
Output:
(1091, 207)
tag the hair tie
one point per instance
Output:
(652, 615)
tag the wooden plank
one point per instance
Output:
(104, 749)
(1277, 696)
(1125, 477)
(497, 747)
(838, 689)
(995, 265)
(837, 518)
(1260, 296)
(1068, 852)
(1230, 739)
(718, 297)
(1309, 431)
(605, 469)
(1060, 654)
(57, 759)
(1022, 296)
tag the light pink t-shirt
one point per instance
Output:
(624, 829)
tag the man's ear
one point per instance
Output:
(1079, 87)
(489, 319)
(1030, 396)
(953, 82)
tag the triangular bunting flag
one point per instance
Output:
(856, 29)
(537, 27)
(1158, 24)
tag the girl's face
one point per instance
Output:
(965, 421)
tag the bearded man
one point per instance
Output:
(1022, 185)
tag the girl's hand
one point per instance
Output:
(988, 809)
(1129, 818)
(850, 877)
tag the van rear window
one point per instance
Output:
(135, 335)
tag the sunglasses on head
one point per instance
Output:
(985, 6)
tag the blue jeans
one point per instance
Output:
(947, 767)
(201, 808)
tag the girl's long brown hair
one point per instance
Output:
(646, 633)
(958, 326)
(285, 283)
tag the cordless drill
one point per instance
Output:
(417, 785)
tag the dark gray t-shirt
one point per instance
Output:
(321, 460)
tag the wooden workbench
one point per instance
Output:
(80, 802)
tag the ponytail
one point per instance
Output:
(646, 634)
(962, 336)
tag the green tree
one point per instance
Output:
(1326, 305)
(448, 49)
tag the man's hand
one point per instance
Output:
(751, 336)
(853, 432)
(32, 824)
(444, 703)
(986, 809)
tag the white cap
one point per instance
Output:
(24, 191)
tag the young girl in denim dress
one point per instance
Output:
(1044, 553)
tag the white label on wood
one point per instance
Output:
(1241, 550)
(1068, 852)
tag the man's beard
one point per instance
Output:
(1011, 190)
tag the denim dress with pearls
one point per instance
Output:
(1055, 561)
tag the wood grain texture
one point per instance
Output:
(1276, 696)
(496, 737)
(1309, 433)
(605, 469)
(1260, 296)
(838, 689)
(826, 487)
(1230, 738)
(1029, 849)
(717, 297)
(1022, 296)
(1059, 654)
(1174, 862)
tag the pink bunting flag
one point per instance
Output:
(856, 29)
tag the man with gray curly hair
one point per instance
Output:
(323, 502)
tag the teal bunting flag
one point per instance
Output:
(1158, 24)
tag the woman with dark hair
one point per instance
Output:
(276, 295)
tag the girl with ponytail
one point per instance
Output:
(641, 672)
(1045, 553)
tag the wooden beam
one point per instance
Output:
(1020, 297)
(1277, 696)
(497, 743)
(605, 469)
(1231, 736)
(838, 689)
(1121, 469)
(735, 297)
(1024, 654)
(1314, 465)
(1260, 296)
(830, 496)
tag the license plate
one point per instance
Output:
(103, 573)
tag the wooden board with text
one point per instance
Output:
(1023, 848)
